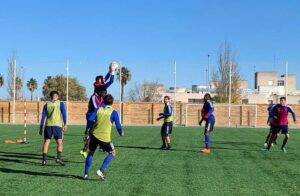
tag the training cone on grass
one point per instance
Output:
(9, 141)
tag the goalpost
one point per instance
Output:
(226, 115)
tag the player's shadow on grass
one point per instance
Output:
(233, 148)
(237, 143)
(151, 148)
(25, 158)
(34, 173)
(26, 162)
(23, 155)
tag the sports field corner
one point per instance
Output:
(235, 166)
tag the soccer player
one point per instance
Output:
(270, 122)
(167, 126)
(100, 90)
(54, 113)
(209, 118)
(104, 118)
(280, 115)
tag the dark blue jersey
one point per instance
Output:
(207, 110)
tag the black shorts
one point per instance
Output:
(284, 129)
(54, 131)
(105, 146)
(271, 128)
(167, 128)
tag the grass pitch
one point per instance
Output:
(235, 166)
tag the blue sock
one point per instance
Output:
(107, 161)
(88, 163)
(207, 141)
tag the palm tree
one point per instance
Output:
(1, 80)
(32, 86)
(126, 76)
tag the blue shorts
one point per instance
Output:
(54, 131)
(105, 146)
(209, 125)
(167, 128)
(284, 129)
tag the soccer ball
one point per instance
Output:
(113, 66)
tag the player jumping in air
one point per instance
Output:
(103, 118)
(209, 118)
(54, 113)
(167, 126)
(280, 115)
(100, 90)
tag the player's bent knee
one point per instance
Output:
(113, 152)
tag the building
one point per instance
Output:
(270, 87)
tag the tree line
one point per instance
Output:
(145, 92)
(76, 91)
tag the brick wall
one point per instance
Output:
(146, 113)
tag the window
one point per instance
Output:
(280, 83)
(195, 100)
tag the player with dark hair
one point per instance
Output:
(280, 116)
(104, 118)
(167, 126)
(209, 118)
(54, 113)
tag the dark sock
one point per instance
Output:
(44, 156)
(59, 155)
(284, 143)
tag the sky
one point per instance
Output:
(147, 36)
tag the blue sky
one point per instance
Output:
(147, 36)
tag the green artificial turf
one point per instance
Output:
(235, 166)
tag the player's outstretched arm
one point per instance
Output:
(115, 119)
(293, 113)
(109, 80)
(200, 122)
(44, 116)
(64, 115)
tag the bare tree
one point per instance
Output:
(221, 75)
(147, 92)
(10, 78)
(134, 94)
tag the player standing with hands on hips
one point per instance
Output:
(54, 112)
